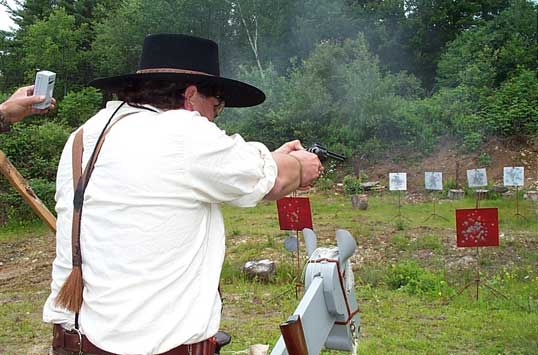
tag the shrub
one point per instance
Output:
(13, 207)
(410, 277)
(471, 128)
(473, 140)
(78, 106)
(512, 110)
(35, 149)
(450, 184)
(484, 160)
(352, 185)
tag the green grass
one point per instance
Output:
(397, 321)
(417, 318)
(21, 328)
(20, 230)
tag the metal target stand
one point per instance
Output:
(399, 216)
(517, 206)
(434, 214)
(478, 282)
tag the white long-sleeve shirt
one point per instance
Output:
(152, 233)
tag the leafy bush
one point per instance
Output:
(484, 160)
(338, 96)
(512, 109)
(13, 207)
(78, 106)
(450, 184)
(471, 128)
(492, 65)
(410, 277)
(473, 140)
(35, 149)
(352, 185)
(373, 150)
(484, 56)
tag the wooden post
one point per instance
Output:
(19, 183)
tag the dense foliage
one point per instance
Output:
(358, 76)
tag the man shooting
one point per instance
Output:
(140, 234)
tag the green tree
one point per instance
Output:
(411, 34)
(488, 54)
(119, 38)
(28, 12)
(54, 44)
(512, 110)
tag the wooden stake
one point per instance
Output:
(25, 190)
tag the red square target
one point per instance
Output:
(294, 213)
(477, 227)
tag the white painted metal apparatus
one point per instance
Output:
(328, 310)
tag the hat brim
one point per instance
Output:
(235, 93)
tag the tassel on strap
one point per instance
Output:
(70, 295)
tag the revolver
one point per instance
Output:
(324, 154)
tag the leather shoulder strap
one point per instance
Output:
(70, 295)
(78, 150)
(80, 181)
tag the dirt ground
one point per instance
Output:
(26, 262)
(454, 164)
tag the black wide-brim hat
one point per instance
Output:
(185, 59)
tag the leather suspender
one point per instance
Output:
(80, 182)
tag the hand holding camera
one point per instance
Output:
(24, 102)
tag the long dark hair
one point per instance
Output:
(164, 95)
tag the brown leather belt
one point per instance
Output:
(77, 343)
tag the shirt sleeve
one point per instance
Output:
(225, 168)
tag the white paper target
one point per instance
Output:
(397, 181)
(433, 180)
(514, 175)
(477, 178)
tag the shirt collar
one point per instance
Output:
(112, 105)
